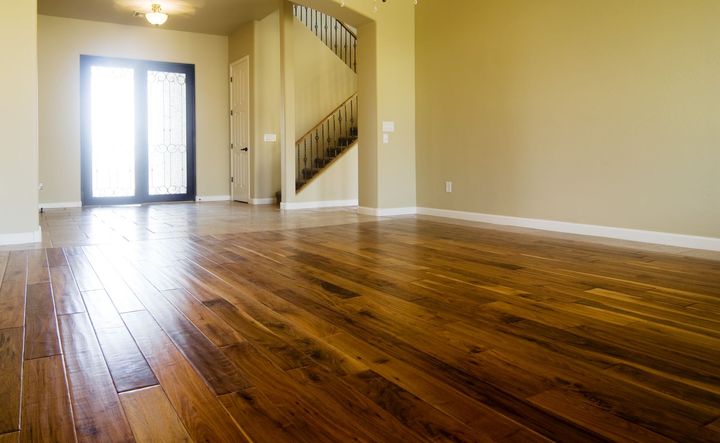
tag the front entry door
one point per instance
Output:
(240, 129)
(138, 131)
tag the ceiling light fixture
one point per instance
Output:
(156, 17)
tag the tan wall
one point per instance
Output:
(322, 82)
(242, 43)
(267, 107)
(18, 120)
(60, 43)
(599, 111)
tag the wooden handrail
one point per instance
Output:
(347, 29)
(323, 120)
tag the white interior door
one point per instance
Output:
(240, 129)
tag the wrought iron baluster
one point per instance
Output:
(317, 148)
(304, 158)
(323, 147)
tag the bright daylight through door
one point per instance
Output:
(113, 131)
(138, 131)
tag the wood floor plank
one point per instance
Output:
(46, 411)
(152, 417)
(12, 304)
(16, 268)
(11, 362)
(10, 437)
(83, 271)
(4, 257)
(411, 410)
(121, 295)
(65, 291)
(37, 267)
(594, 417)
(12, 291)
(299, 409)
(485, 422)
(219, 332)
(199, 410)
(102, 310)
(260, 419)
(128, 367)
(219, 373)
(56, 258)
(41, 335)
(98, 413)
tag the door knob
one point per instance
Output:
(244, 149)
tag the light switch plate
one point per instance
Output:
(270, 137)
(388, 127)
(448, 186)
(386, 138)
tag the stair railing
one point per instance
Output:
(324, 143)
(334, 33)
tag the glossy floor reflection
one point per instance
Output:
(223, 322)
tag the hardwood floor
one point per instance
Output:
(329, 326)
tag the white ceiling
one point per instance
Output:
(206, 16)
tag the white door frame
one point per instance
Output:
(232, 130)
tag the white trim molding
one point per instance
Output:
(212, 198)
(318, 204)
(262, 201)
(661, 238)
(387, 212)
(60, 205)
(21, 237)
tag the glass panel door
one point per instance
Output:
(138, 131)
(167, 133)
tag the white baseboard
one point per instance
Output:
(21, 237)
(387, 212)
(263, 201)
(212, 198)
(60, 205)
(318, 204)
(661, 238)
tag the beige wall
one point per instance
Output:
(599, 111)
(241, 43)
(60, 43)
(267, 107)
(18, 121)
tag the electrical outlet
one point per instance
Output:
(448, 186)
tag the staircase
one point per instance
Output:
(334, 33)
(327, 141)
